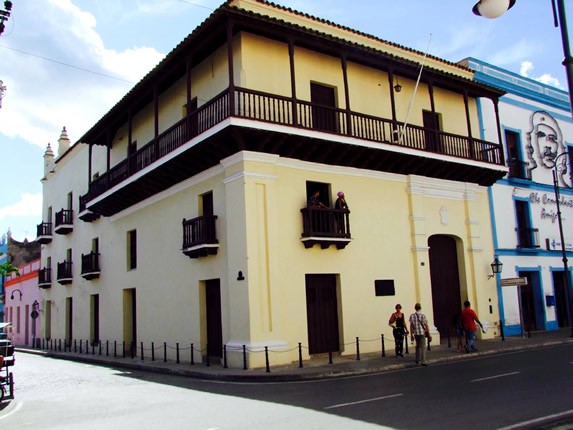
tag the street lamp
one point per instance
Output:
(16, 291)
(567, 277)
(496, 8)
(496, 267)
(5, 14)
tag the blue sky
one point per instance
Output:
(66, 62)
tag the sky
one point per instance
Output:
(67, 62)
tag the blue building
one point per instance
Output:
(537, 132)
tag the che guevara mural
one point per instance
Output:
(545, 145)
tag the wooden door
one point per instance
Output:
(214, 325)
(445, 279)
(322, 314)
(431, 128)
(323, 107)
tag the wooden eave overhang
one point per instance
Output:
(211, 34)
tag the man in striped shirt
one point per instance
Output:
(419, 330)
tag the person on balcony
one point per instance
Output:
(314, 201)
(339, 205)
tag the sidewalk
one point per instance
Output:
(318, 368)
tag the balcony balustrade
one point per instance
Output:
(45, 278)
(200, 236)
(90, 266)
(527, 238)
(325, 227)
(64, 272)
(64, 221)
(285, 111)
(44, 233)
(518, 170)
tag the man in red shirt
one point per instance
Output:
(469, 319)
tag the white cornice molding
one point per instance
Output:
(443, 189)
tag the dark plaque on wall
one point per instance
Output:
(384, 287)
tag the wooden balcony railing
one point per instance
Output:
(45, 278)
(64, 221)
(90, 265)
(325, 227)
(44, 232)
(200, 236)
(527, 238)
(282, 110)
(64, 272)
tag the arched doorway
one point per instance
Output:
(445, 279)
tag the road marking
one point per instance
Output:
(340, 405)
(13, 411)
(538, 420)
(494, 377)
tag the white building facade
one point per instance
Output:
(538, 142)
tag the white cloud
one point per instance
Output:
(29, 205)
(526, 69)
(61, 73)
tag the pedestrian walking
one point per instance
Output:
(420, 331)
(459, 330)
(398, 323)
(469, 319)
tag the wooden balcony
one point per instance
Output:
(85, 214)
(316, 133)
(45, 278)
(64, 221)
(325, 227)
(90, 266)
(64, 273)
(200, 236)
(44, 232)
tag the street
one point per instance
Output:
(482, 393)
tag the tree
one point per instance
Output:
(7, 268)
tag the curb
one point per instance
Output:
(328, 371)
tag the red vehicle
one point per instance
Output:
(7, 359)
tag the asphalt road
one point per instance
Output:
(482, 393)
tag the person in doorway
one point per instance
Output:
(469, 319)
(419, 331)
(314, 201)
(398, 323)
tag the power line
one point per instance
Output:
(66, 64)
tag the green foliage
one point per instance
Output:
(8, 268)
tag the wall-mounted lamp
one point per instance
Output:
(397, 87)
(496, 267)
(240, 276)
(492, 8)
(14, 291)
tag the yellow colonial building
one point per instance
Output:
(182, 215)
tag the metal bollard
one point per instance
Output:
(244, 357)
(300, 355)
(76, 346)
(501, 330)
(267, 359)
(115, 348)
(357, 349)
(142, 358)
(225, 357)
(152, 351)
(329, 357)
(99, 346)
(81, 343)
(165, 352)
(192, 356)
(123, 349)
(132, 348)
(382, 344)
(177, 352)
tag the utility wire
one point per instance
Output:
(66, 64)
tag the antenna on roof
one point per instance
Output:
(422, 64)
